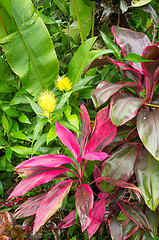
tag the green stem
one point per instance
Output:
(152, 105)
(93, 20)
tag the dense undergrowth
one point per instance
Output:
(79, 119)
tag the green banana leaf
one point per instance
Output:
(82, 12)
(27, 45)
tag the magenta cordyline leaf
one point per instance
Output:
(97, 217)
(115, 228)
(120, 183)
(103, 196)
(68, 221)
(51, 203)
(29, 207)
(99, 156)
(105, 90)
(131, 42)
(85, 128)
(103, 132)
(124, 107)
(35, 179)
(84, 205)
(68, 139)
(47, 160)
(135, 214)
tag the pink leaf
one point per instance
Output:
(99, 156)
(51, 203)
(47, 160)
(68, 221)
(85, 127)
(35, 179)
(97, 216)
(103, 132)
(29, 207)
(84, 204)
(68, 139)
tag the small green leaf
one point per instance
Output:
(63, 100)
(36, 108)
(5, 124)
(41, 140)
(24, 119)
(111, 45)
(51, 135)
(39, 126)
(139, 3)
(73, 119)
(1, 189)
(9, 153)
(133, 57)
(22, 150)
(19, 135)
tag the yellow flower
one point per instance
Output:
(63, 84)
(47, 102)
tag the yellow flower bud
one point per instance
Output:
(47, 102)
(63, 84)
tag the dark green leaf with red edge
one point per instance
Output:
(84, 204)
(131, 42)
(154, 221)
(121, 184)
(124, 134)
(148, 130)
(51, 203)
(129, 229)
(124, 107)
(29, 207)
(135, 214)
(147, 174)
(115, 228)
(105, 90)
(140, 235)
(121, 164)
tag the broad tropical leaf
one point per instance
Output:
(68, 221)
(103, 132)
(135, 214)
(80, 60)
(35, 179)
(131, 42)
(115, 228)
(121, 164)
(29, 49)
(51, 203)
(47, 160)
(97, 217)
(83, 15)
(84, 205)
(147, 173)
(147, 126)
(105, 90)
(29, 207)
(85, 128)
(68, 139)
(124, 107)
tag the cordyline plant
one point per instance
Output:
(137, 101)
(85, 147)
